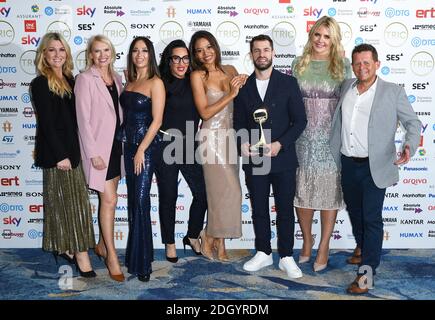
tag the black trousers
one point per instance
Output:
(364, 202)
(283, 185)
(167, 182)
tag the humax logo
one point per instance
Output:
(385, 71)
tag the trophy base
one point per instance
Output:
(260, 151)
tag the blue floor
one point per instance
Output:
(31, 274)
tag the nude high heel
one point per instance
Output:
(305, 259)
(205, 248)
(219, 246)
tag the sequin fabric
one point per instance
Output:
(137, 118)
(67, 211)
(219, 158)
(318, 182)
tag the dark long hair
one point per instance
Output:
(165, 61)
(152, 68)
(196, 64)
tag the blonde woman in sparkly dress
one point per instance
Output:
(320, 71)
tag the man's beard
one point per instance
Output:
(263, 67)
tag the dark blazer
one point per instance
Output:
(56, 133)
(287, 118)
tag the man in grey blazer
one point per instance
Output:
(362, 143)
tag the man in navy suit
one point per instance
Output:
(279, 94)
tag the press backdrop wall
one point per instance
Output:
(402, 30)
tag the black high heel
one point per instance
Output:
(144, 278)
(84, 274)
(172, 259)
(64, 256)
(187, 242)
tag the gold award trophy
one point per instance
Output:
(260, 116)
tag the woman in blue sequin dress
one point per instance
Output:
(143, 102)
(319, 71)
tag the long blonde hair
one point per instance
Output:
(336, 63)
(57, 85)
(105, 40)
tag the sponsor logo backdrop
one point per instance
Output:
(402, 31)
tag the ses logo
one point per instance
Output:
(245, 208)
(85, 26)
(420, 86)
(394, 57)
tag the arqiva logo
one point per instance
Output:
(415, 181)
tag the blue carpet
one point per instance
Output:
(31, 274)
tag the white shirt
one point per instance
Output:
(355, 112)
(262, 87)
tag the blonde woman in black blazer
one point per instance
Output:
(68, 229)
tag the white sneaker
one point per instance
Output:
(259, 261)
(289, 265)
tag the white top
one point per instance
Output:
(262, 87)
(355, 113)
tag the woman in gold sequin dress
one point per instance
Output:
(214, 88)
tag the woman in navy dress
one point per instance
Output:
(143, 102)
